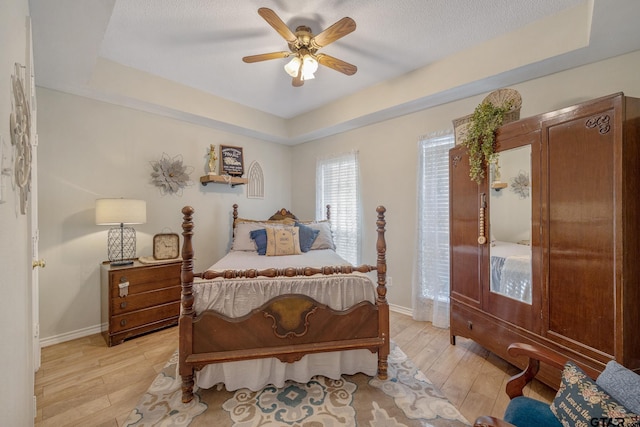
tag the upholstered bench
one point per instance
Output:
(613, 399)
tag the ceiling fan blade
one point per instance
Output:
(277, 24)
(336, 64)
(338, 30)
(265, 56)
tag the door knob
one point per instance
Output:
(38, 263)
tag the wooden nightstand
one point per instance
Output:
(152, 299)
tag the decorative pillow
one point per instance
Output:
(308, 235)
(622, 384)
(325, 237)
(580, 401)
(260, 238)
(283, 241)
(241, 234)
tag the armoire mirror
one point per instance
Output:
(510, 224)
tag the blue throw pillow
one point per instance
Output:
(307, 236)
(260, 237)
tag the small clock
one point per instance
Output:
(166, 246)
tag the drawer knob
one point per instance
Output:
(123, 304)
(123, 322)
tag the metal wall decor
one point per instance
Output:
(170, 175)
(520, 184)
(20, 128)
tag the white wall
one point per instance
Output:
(91, 149)
(16, 388)
(388, 155)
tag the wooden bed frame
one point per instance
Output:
(286, 327)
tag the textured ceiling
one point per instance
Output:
(200, 43)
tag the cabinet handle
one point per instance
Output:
(123, 304)
(483, 206)
(123, 322)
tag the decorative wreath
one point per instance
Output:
(170, 175)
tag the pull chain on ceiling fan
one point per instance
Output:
(303, 46)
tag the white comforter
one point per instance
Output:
(237, 297)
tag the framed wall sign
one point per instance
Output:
(231, 160)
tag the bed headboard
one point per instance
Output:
(281, 214)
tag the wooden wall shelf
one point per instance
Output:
(223, 179)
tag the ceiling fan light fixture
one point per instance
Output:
(293, 66)
(303, 47)
(309, 66)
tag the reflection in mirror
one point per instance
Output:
(510, 224)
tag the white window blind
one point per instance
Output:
(337, 184)
(431, 276)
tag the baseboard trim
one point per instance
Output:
(402, 310)
(68, 336)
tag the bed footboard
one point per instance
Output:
(286, 327)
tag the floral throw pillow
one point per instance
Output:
(581, 402)
(283, 241)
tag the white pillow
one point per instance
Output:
(325, 237)
(242, 240)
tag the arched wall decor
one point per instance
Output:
(255, 186)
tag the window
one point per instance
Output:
(431, 276)
(337, 184)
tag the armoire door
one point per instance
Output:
(581, 153)
(465, 205)
(512, 286)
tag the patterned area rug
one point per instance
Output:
(407, 398)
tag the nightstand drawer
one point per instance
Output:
(142, 317)
(145, 280)
(137, 301)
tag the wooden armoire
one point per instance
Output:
(582, 277)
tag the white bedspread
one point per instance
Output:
(511, 270)
(237, 297)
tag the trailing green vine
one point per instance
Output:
(481, 137)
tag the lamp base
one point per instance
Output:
(121, 263)
(121, 245)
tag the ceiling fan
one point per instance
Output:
(304, 46)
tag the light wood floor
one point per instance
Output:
(85, 383)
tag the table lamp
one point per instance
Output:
(121, 244)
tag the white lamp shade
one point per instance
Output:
(293, 67)
(120, 211)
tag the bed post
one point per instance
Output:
(328, 212)
(186, 313)
(381, 302)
